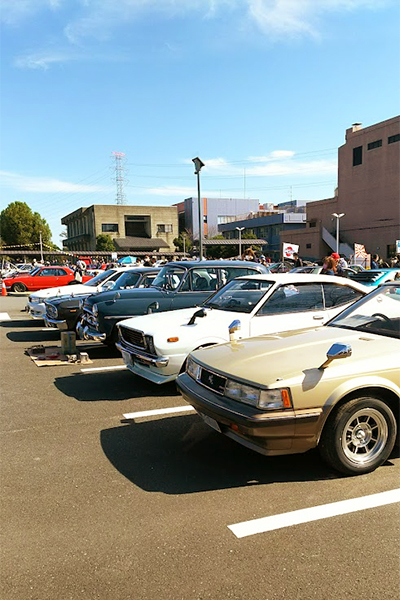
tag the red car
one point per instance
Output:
(41, 278)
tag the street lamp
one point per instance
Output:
(338, 216)
(240, 229)
(198, 165)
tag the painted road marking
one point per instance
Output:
(160, 411)
(5, 317)
(115, 368)
(314, 513)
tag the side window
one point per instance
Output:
(338, 295)
(228, 273)
(60, 273)
(147, 280)
(130, 281)
(294, 298)
(47, 272)
(201, 280)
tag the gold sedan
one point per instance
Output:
(336, 387)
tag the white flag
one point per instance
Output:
(289, 250)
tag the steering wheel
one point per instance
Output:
(233, 302)
(384, 318)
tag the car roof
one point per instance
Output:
(187, 264)
(296, 278)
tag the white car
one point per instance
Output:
(156, 346)
(36, 301)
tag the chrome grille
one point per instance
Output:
(133, 337)
(51, 311)
(89, 317)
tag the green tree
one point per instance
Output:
(104, 243)
(183, 242)
(20, 226)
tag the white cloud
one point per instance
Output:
(46, 185)
(14, 11)
(43, 60)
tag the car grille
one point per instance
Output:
(212, 381)
(51, 311)
(89, 317)
(132, 337)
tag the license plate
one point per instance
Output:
(211, 422)
(127, 358)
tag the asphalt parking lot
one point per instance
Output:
(99, 503)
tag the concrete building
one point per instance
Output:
(368, 194)
(216, 211)
(285, 218)
(133, 228)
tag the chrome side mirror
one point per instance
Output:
(199, 313)
(116, 297)
(337, 350)
(233, 328)
(152, 307)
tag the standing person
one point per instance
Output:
(329, 266)
(78, 274)
(375, 261)
(297, 260)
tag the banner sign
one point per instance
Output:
(289, 250)
(359, 251)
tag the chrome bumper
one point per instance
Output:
(89, 334)
(159, 361)
(61, 325)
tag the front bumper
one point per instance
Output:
(144, 365)
(61, 325)
(37, 310)
(269, 433)
(86, 333)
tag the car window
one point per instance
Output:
(338, 295)
(201, 280)
(127, 280)
(169, 278)
(228, 273)
(147, 280)
(46, 272)
(294, 298)
(101, 277)
(60, 272)
(240, 295)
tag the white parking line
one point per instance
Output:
(160, 411)
(115, 368)
(5, 317)
(314, 513)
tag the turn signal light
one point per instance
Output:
(286, 399)
(173, 339)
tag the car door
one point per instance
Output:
(198, 284)
(290, 307)
(62, 277)
(44, 279)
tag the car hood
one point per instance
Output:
(145, 293)
(215, 321)
(281, 359)
(70, 290)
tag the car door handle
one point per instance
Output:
(318, 317)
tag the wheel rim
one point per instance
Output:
(364, 436)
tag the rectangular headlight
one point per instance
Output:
(242, 393)
(149, 342)
(192, 368)
(265, 399)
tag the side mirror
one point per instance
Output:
(152, 307)
(116, 297)
(337, 350)
(233, 328)
(199, 313)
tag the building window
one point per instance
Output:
(394, 138)
(308, 245)
(357, 156)
(376, 144)
(226, 219)
(164, 228)
(109, 227)
(313, 223)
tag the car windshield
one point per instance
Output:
(169, 278)
(99, 278)
(240, 295)
(127, 280)
(34, 271)
(378, 312)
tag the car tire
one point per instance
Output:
(18, 287)
(359, 436)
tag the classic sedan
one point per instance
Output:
(41, 278)
(64, 312)
(336, 387)
(105, 280)
(156, 346)
(179, 284)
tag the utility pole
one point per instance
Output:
(41, 247)
(119, 178)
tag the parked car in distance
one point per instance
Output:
(41, 278)
(375, 277)
(156, 346)
(336, 387)
(65, 312)
(280, 267)
(179, 284)
(101, 282)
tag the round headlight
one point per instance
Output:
(95, 310)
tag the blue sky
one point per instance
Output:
(261, 90)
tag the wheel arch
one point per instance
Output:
(389, 396)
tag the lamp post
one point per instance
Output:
(338, 216)
(198, 165)
(240, 229)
